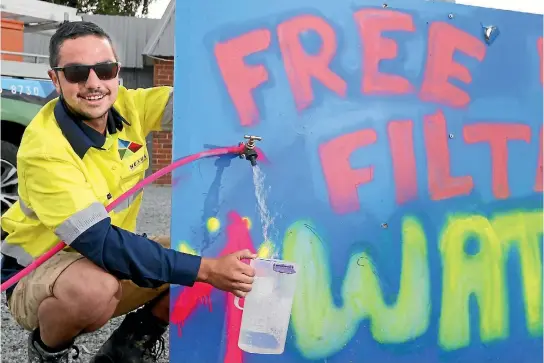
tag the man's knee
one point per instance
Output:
(87, 290)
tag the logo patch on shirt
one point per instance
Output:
(138, 162)
(127, 148)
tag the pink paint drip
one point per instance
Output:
(261, 158)
(188, 301)
(238, 238)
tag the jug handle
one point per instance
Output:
(237, 303)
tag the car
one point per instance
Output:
(22, 98)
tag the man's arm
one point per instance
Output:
(57, 192)
(155, 106)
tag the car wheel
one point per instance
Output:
(10, 181)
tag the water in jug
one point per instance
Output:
(267, 307)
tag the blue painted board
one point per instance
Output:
(403, 172)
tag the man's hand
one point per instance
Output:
(228, 273)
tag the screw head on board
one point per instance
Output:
(491, 32)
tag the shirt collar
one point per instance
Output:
(80, 135)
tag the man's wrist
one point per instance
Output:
(206, 267)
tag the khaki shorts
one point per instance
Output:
(32, 289)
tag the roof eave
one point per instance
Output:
(151, 45)
(38, 16)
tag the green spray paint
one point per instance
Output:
(484, 275)
(323, 328)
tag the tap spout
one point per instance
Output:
(249, 152)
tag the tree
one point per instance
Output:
(106, 7)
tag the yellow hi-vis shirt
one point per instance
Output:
(69, 172)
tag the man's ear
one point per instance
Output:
(55, 79)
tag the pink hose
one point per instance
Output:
(167, 169)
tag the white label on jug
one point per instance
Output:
(283, 268)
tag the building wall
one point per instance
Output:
(162, 140)
(12, 39)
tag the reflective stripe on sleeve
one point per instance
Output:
(78, 223)
(17, 252)
(26, 210)
(167, 116)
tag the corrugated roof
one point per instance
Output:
(161, 43)
(129, 35)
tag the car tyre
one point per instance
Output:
(9, 178)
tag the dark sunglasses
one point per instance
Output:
(80, 73)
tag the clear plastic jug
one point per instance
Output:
(267, 307)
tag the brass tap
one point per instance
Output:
(249, 152)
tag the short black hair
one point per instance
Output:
(73, 30)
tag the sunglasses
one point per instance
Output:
(80, 73)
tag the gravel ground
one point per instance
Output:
(154, 219)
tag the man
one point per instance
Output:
(72, 162)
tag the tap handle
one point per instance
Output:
(251, 143)
(250, 137)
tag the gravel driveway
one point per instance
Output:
(154, 219)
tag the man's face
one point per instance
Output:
(94, 97)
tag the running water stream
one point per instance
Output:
(261, 195)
